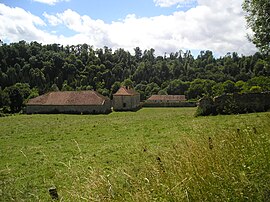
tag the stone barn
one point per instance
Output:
(126, 99)
(69, 102)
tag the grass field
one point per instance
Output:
(155, 154)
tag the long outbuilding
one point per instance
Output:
(69, 102)
(168, 101)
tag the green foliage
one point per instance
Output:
(162, 92)
(66, 87)
(4, 98)
(200, 87)
(151, 155)
(229, 86)
(206, 107)
(254, 101)
(128, 83)
(241, 86)
(54, 87)
(34, 93)
(16, 96)
(263, 82)
(255, 89)
(177, 87)
(218, 89)
(258, 18)
(16, 99)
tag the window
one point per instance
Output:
(124, 105)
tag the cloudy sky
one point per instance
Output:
(165, 25)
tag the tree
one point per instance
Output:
(115, 88)
(258, 19)
(128, 83)
(138, 54)
(177, 87)
(200, 87)
(218, 89)
(15, 97)
(151, 89)
(66, 87)
(263, 82)
(4, 98)
(229, 87)
(162, 92)
(241, 86)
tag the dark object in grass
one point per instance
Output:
(160, 164)
(158, 159)
(267, 195)
(53, 193)
(254, 130)
(210, 143)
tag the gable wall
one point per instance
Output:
(121, 102)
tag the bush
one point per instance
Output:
(255, 89)
(205, 107)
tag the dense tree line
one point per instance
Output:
(30, 69)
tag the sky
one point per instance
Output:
(165, 25)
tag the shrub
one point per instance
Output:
(205, 107)
(255, 89)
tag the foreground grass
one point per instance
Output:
(151, 155)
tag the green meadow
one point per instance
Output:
(155, 154)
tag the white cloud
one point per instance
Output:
(92, 31)
(50, 2)
(215, 25)
(53, 20)
(211, 25)
(169, 3)
(17, 24)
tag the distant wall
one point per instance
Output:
(234, 104)
(67, 109)
(169, 104)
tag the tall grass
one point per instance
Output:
(235, 166)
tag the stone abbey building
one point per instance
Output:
(69, 102)
(126, 99)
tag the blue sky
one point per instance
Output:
(107, 10)
(165, 25)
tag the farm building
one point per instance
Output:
(70, 102)
(126, 99)
(168, 101)
(166, 98)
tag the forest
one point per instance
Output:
(30, 69)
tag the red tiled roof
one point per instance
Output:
(69, 98)
(167, 98)
(126, 91)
